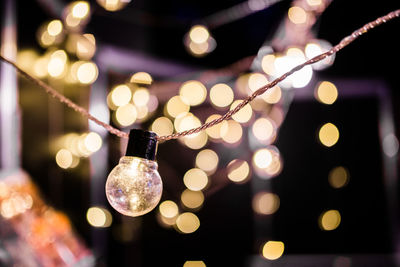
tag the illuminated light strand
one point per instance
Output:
(345, 41)
(63, 99)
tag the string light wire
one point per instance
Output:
(343, 43)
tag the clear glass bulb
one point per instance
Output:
(134, 186)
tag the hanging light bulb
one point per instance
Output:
(134, 186)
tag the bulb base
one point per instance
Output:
(142, 144)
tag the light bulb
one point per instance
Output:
(134, 186)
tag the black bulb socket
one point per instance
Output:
(142, 144)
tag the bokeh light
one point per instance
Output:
(215, 131)
(141, 78)
(265, 203)
(54, 27)
(187, 222)
(187, 121)
(113, 5)
(98, 217)
(273, 250)
(176, 106)
(326, 93)
(262, 158)
(192, 199)
(168, 209)
(338, 177)
(297, 15)
(194, 264)
(87, 72)
(256, 81)
(141, 96)
(162, 126)
(195, 179)
(121, 95)
(57, 64)
(314, 2)
(221, 95)
(328, 134)
(267, 64)
(238, 170)
(126, 115)
(64, 158)
(329, 220)
(243, 115)
(207, 160)
(272, 95)
(196, 141)
(264, 130)
(231, 132)
(93, 142)
(199, 34)
(193, 93)
(85, 46)
(80, 9)
(316, 47)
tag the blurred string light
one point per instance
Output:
(121, 95)
(13, 203)
(99, 217)
(297, 15)
(142, 78)
(338, 177)
(198, 41)
(265, 203)
(238, 170)
(264, 130)
(329, 220)
(176, 106)
(195, 179)
(162, 126)
(192, 199)
(231, 132)
(328, 134)
(76, 15)
(326, 93)
(87, 72)
(207, 160)
(113, 5)
(215, 132)
(56, 67)
(267, 162)
(168, 209)
(126, 115)
(187, 222)
(244, 115)
(193, 93)
(194, 264)
(316, 47)
(75, 146)
(221, 95)
(273, 250)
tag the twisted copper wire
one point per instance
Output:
(63, 99)
(345, 41)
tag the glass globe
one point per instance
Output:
(134, 186)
